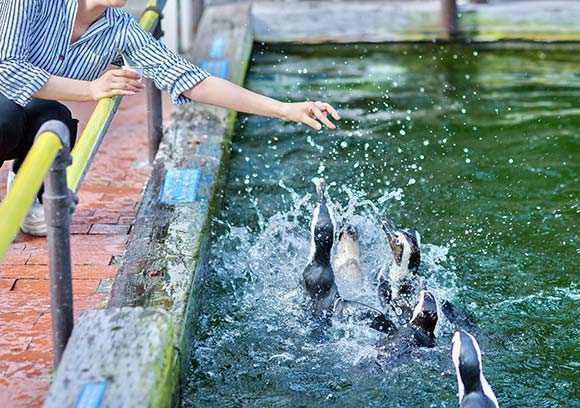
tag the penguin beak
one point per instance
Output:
(389, 229)
(429, 302)
(425, 312)
(320, 186)
(413, 231)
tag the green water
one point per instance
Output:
(478, 148)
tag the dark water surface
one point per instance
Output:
(477, 148)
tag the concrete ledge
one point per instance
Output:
(407, 20)
(117, 358)
(156, 287)
(539, 20)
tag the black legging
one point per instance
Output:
(19, 125)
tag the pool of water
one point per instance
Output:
(476, 147)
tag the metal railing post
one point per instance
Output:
(449, 18)
(198, 6)
(154, 109)
(58, 206)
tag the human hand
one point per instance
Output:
(309, 112)
(115, 82)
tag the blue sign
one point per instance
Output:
(180, 186)
(217, 68)
(218, 45)
(91, 395)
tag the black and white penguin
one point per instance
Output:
(418, 332)
(346, 262)
(318, 275)
(474, 390)
(360, 313)
(399, 282)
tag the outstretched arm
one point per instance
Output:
(219, 92)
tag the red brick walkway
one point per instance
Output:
(109, 199)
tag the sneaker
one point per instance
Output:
(34, 223)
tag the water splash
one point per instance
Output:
(257, 326)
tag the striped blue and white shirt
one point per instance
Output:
(35, 43)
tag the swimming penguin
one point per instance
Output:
(419, 332)
(474, 390)
(318, 275)
(346, 262)
(319, 278)
(360, 313)
(399, 282)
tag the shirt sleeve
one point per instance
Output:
(169, 71)
(19, 79)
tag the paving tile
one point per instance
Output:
(80, 228)
(28, 239)
(80, 211)
(84, 258)
(26, 393)
(6, 284)
(13, 341)
(109, 229)
(25, 271)
(119, 239)
(17, 246)
(85, 303)
(81, 249)
(26, 301)
(14, 258)
(26, 364)
(127, 220)
(87, 196)
(84, 287)
(24, 319)
(31, 286)
(94, 271)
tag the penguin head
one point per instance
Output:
(322, 225)
(425, 313)
(320, 184)
(466, 356)
(404, 246)
(348, 232)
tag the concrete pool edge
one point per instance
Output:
(155, 290)
(313, 22)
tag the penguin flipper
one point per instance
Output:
(384, 292)
(357, 312)
(457, 317)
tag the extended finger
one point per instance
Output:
(322, 117)
(125, 80)
(128, 85)
(124, 93)
(328, 108)
(311, 122)
(125, 73)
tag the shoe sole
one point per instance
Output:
(37, 229)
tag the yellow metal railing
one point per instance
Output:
(15, 205)
(151, 14)
(89, 141)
